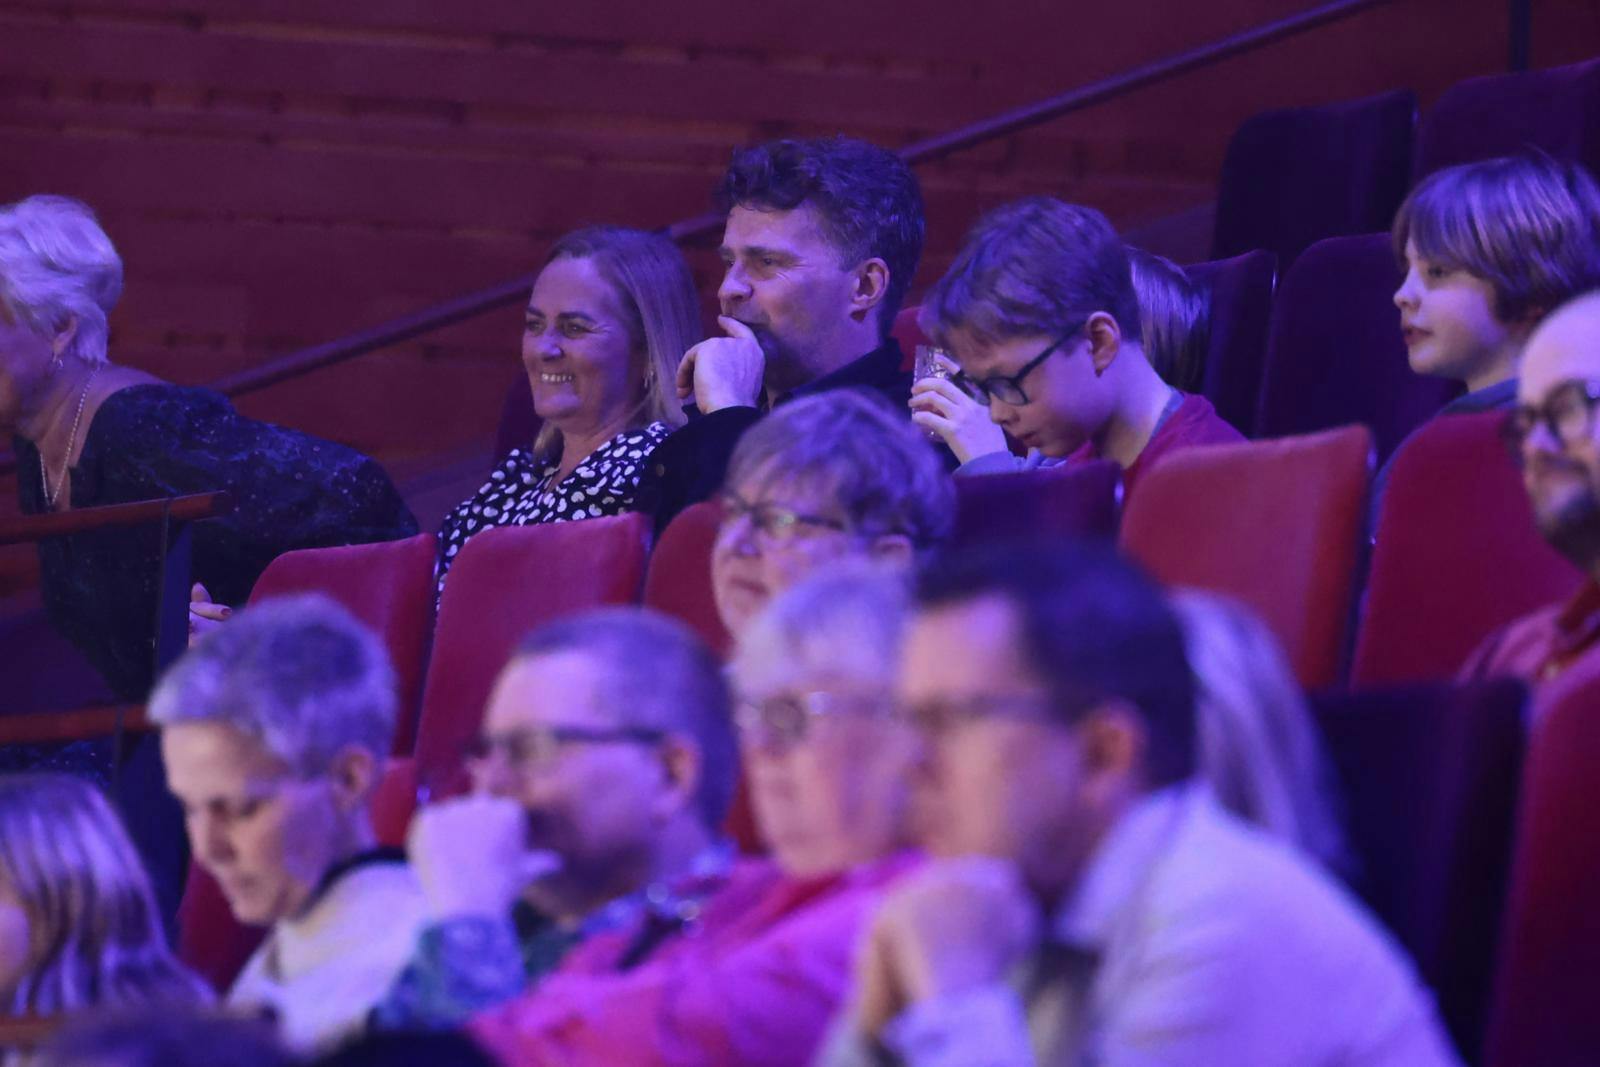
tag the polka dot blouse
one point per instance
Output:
(519, 491)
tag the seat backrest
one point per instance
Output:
(1556, 111)
(1457, 555)
(1071, 500)
(216, 945)
(1548, 984)
(1335, 354)
(909, 334)
(1241, 309)
(1430, 777)
(505, 582)
(1299, 175)
(678, 581)
(1273, 524)
(388, 586)
(519, 423)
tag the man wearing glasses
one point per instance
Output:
(605, 766)
(1087, 903)
(1552, 434)
(1040, 312)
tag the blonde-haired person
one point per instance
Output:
(78, 922)
(610, 316)
(90, 432)
(1174, 319)
(1259, 749)
(1488, 250)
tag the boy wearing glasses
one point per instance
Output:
(1553, 433)
(1040, 312)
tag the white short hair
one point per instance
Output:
(299, 674)
(58, 268)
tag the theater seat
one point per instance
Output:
(678, 581)
(1080, 500)
(1241, 308)
(1548, 986)
(388, 586)
(504, 583)
(1273, 524)
(519, 423)
(909, 334)
(1457, 555)
(1429, 778)
(216, 946)
(1334, 352)
(1556, 111)
(1296, 176)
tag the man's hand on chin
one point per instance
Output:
(724, 372)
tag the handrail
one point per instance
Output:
(301, 362)
(72, 724)
(27, 528)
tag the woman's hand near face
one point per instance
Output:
(939, 406)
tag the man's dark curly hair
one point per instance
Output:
(866, 197)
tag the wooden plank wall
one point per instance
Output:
(281, 172)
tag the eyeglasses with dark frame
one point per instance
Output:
(775, 523)
(785, 720)
(1007, 388)
(1567, 412)
(535, 749)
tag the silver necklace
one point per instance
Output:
(72, 442)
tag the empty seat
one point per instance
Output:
(1429, 779)
(909, 334)
(1457, 555)
(1299, 175)
(387, 585)
(1074, 500)
(216, 945)
(1548, 983)
(505, 582)
(519, 423)
(1241, 309)
(1556, 111)
(678, 581)
(1335, 354)
(1273, 524)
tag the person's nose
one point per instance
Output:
(1405, 297)
(735, 288)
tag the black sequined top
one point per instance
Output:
(290, 490)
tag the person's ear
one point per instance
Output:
(871, 287)
(681, 770)
(1105, 340)
(1113, 740)
(894, 549)
(63, 339)
(354, 775)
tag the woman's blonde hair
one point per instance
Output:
(655, 293)
(1259, 747)
(94, 936)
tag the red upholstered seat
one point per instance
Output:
(1335, 354)
(1299, 175)
(1076, 500)
(505, 582)
(1547, 992)
(909, 334)
(1556, 111)
(388, 586)
(1274, 524)
(1241, 308)
(678, 582)
(519, 423)
(212, 942)
(1430, 775)
(1457, 555)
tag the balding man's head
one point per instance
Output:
(1557, 393)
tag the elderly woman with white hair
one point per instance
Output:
(88, 432)
(274, 729)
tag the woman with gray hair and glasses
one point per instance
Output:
(274, 729)
(89, 432)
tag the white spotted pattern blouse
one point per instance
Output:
(519, 493)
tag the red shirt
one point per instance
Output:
(1539, 646)
(1195, 422)
(757, 979)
